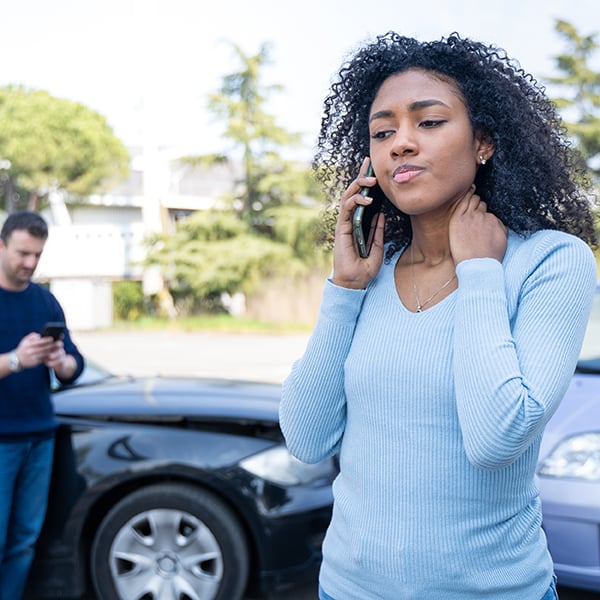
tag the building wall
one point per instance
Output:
(105, 251)
(87, 302)
(92, 244)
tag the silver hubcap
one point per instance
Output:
(166, 554)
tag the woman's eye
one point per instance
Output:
(432, 123)
(379, 135)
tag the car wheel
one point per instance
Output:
(169, 542)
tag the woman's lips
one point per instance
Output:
(404, 174)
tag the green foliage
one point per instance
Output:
(128, 300)
(204, 160)
(581, 103)
(256, 137)
(51, 142)
(215, 252)
(299, 227)
(210, 226)
(272, 228)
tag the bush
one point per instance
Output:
(128, 300)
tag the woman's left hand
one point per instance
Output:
(474, 232)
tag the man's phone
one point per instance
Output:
(364, 221)
(53, 329)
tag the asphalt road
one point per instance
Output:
(249, 356)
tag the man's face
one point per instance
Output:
(19, 257)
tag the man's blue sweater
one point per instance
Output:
(437, 417)
(25, 403)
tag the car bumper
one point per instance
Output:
(571, 520)
(298, 513)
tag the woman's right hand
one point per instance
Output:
(349, 269)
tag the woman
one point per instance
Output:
(437, 360)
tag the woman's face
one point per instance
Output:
(423, 148)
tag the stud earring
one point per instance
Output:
(482, 160)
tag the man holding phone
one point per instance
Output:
(27, 422)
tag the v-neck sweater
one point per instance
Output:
(437, 419)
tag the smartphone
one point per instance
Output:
(53, 329)
(364, 221)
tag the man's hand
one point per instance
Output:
(64, 364)
(34, 350)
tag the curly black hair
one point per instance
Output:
(535, 179)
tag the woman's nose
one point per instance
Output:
(404, 142)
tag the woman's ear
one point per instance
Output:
(484, 147)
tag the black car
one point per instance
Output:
(177, 489)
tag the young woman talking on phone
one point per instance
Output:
(437, 360)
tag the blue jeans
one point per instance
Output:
(25, 469)
(551, 594)
(323, 595)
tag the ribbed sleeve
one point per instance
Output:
(317, 422)
(510, 375)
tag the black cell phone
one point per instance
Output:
(53, 329)
(364, 221)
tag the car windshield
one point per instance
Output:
(92, 373)
(591, 342)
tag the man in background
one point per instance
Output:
(27, 421)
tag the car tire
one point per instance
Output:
(169, 541)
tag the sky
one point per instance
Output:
(148, 66)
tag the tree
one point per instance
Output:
(213, 253)
(50, 143)
(240, 103)
(581, 107)
(273, 229)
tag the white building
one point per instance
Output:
(93, 244)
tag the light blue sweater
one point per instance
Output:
(437, 417)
